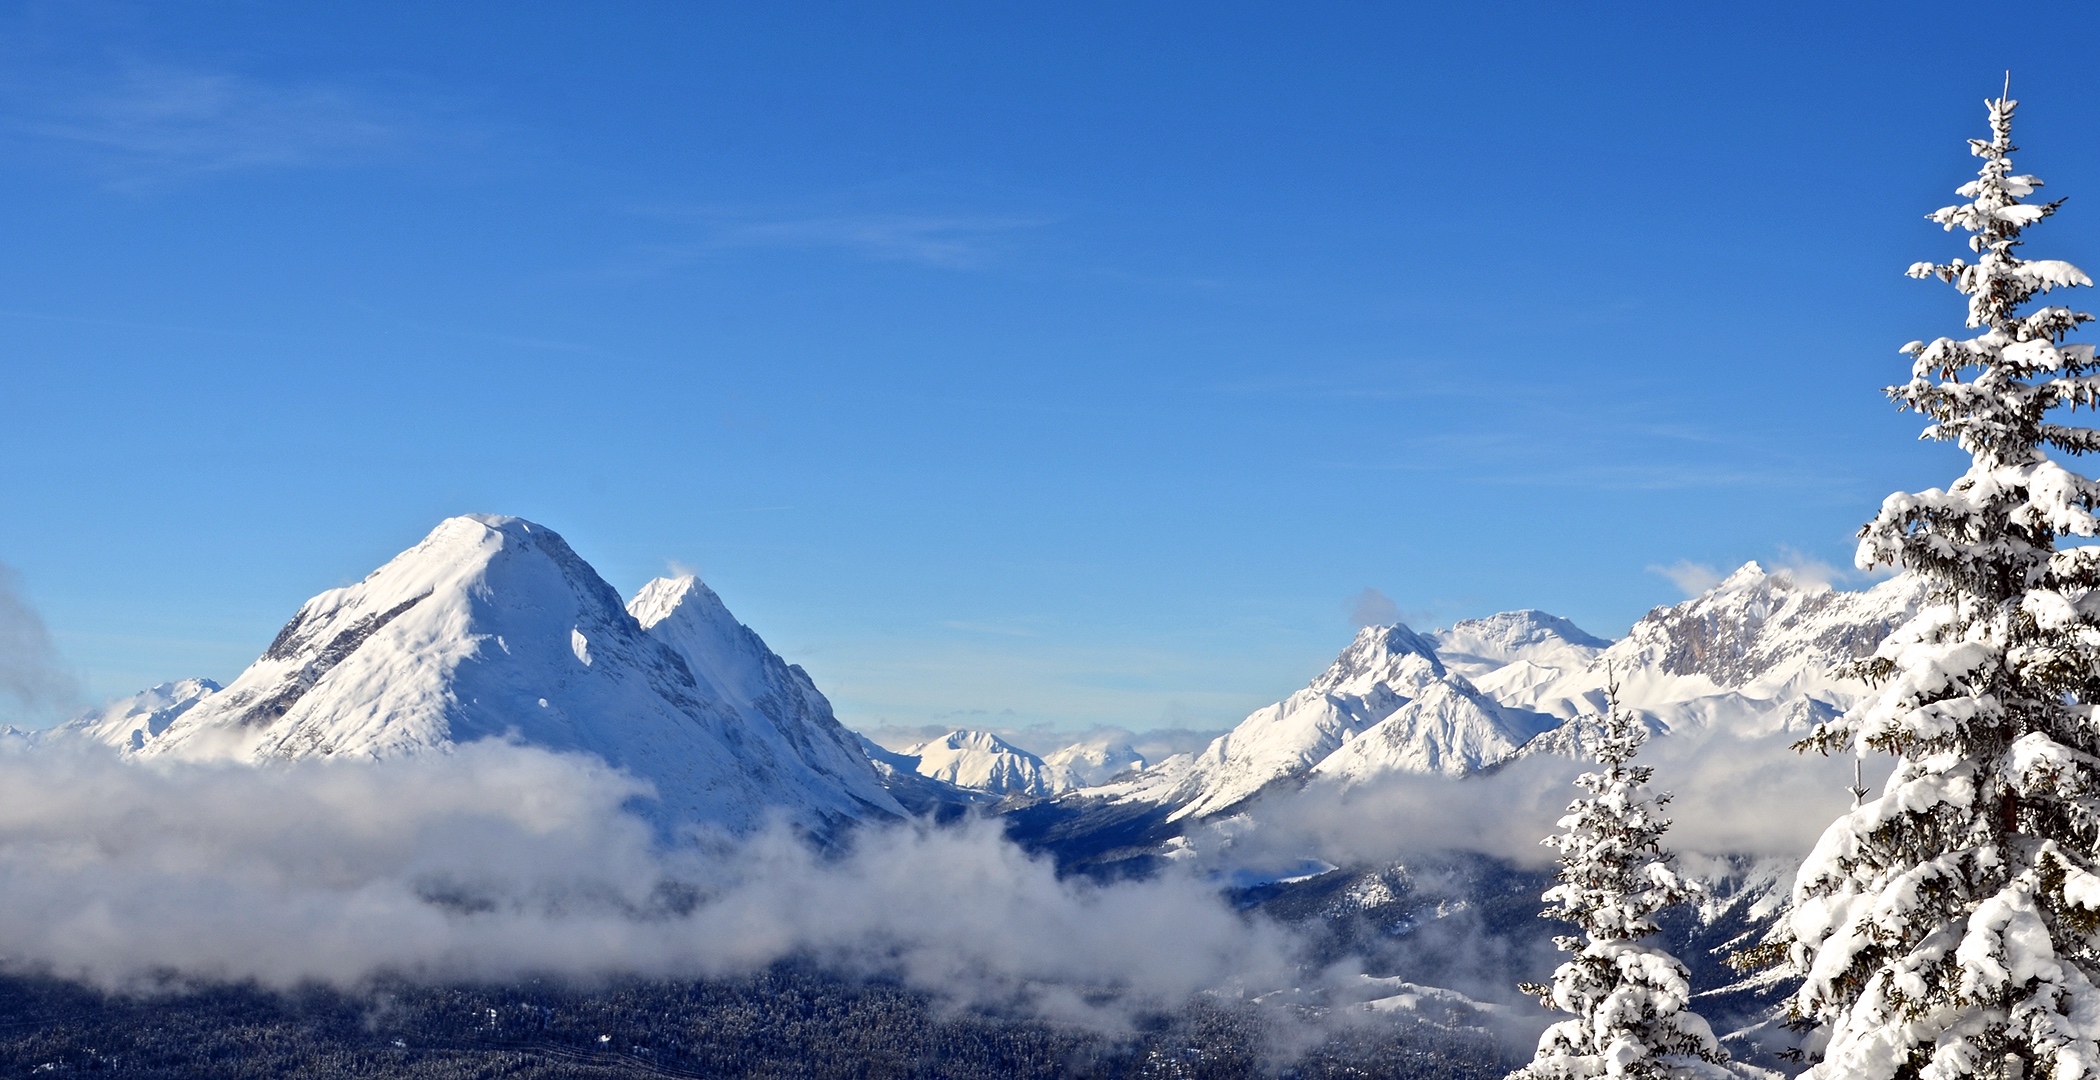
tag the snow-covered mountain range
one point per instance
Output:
(982, 761)
(1758, 653)
(1388, 691)
(492, 627)
(986, 762)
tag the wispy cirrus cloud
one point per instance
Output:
(987, 628)
(943, 241)
(145, 123)
(1691, 578)
(1694, 578)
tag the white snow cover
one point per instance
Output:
(493, 628)
(1759, 653)
(1388, 685)
(129, 722)
(1096, 761)
(985, 762)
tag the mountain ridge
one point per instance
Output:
(492, 627)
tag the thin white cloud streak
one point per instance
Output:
(143, 124)
(952, 242)
(32, 674)
(1691, 578)
(1694, 578)
(498, 862)
(942, 241)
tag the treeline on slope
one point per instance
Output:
(781, 1023)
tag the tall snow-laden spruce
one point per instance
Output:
(1631, 1000)
(1948, 928)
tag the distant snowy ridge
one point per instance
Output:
(983, 761)
(492, 627)
(920, 795)
(1757, 654)
(1096, 761)
(128, 723)
(1387, 690)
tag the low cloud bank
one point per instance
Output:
(1732, 796)
(499, 861)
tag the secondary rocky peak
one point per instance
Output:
(1755, 622)
(1445, 725)
(685, 596)
(728, 657)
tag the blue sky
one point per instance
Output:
(1062, 364)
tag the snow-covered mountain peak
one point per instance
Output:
(492, 627)
(1392, 656)
(731, 660)
(1511, 636)
(684, 595)
(129, 723)
(964, 741)
(1755, 624)
(986, 762)
(1761, 651)
(1450, 729)
(1389, 679)
(1096, 761)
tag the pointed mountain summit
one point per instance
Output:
(985, 762)
(1508, 654)
(777, 701)
(1428, 720)
(492, 627)
(1476, 647)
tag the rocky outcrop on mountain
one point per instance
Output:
(1758, 653)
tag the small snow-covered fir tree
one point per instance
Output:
(1947, 928)
(1630, 999)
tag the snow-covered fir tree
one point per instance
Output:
(1947, 928)
(1630, 999)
